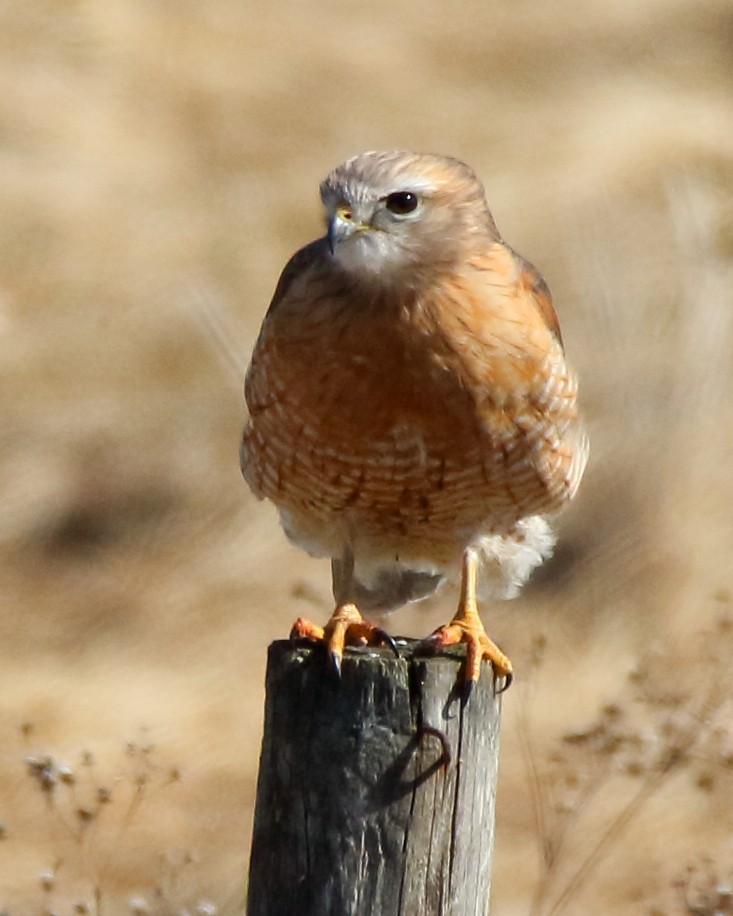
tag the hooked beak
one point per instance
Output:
(341, 226)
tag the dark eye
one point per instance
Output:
(401, 202)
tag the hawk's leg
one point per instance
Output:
(466, 627)
(346, 626)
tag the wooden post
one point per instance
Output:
(376, 793)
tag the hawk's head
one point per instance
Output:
(401, 215)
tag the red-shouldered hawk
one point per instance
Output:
(411, 409)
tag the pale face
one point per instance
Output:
(375, 233)
(399, 217)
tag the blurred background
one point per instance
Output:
(159, 162)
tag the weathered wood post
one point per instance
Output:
(376, 793)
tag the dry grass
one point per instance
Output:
(159, 163)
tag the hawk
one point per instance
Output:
(412, 413)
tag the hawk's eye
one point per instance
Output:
(401, 202)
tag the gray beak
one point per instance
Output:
(339, 228)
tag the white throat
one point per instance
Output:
(372, 254)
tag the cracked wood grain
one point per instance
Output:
(376, 792)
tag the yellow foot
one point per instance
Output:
(470, 630)
(345, 627)
(466, 627)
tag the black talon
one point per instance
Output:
(508, 678)
(387, 639)
(336, 664)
